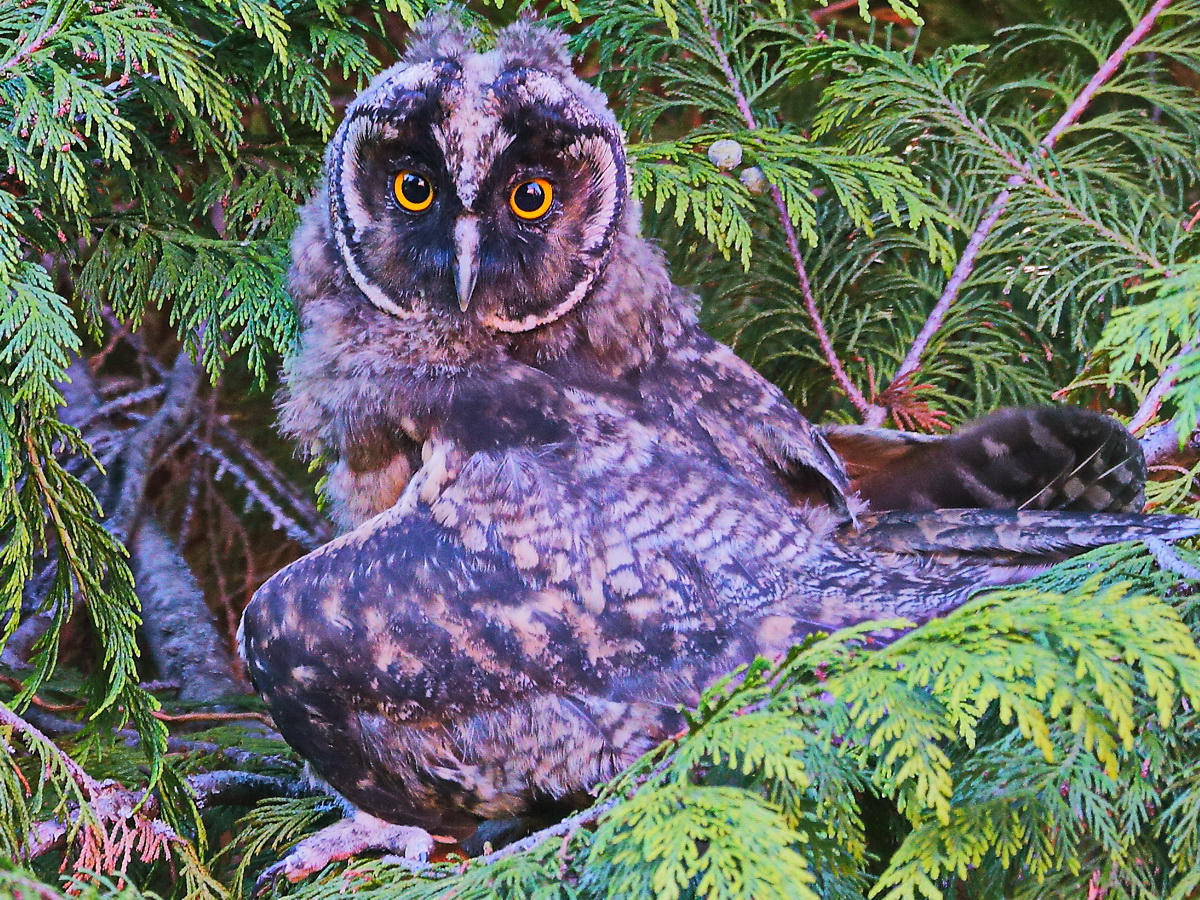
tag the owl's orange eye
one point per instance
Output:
(413, 191)
(531, 199)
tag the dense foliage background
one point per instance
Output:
(923, 215)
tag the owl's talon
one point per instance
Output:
(351, 836)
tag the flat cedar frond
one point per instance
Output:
(271, 827)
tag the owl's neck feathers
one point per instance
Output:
(363, 378)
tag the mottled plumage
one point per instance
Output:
(567, 509)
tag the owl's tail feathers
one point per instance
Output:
(1027, 458)
(1013, 536)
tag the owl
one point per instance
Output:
(566, 510)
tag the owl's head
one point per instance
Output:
(481, 185)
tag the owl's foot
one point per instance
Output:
(354, 834)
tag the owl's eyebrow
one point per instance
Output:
(397, 88)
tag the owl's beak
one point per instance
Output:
(466, 258)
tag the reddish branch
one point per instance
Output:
(209, 716)
(10, 719)
(828, 12)
(116, 825)
(33, 46)
(789, 230)
(966, 263)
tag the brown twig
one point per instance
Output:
(216, 717)
(828, 351)
(39, 702)
(966, 263)
(831, 10)
(201, 716)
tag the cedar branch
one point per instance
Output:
(1154, 397)
(966, 263)
(33, 45)
(828, 351)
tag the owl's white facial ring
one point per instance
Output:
(485, 124)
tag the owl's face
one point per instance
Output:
(487, 186)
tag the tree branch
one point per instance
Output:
(1166, 380)
(232, 788)
(136, 461)
(832, 9)
(57, 725)
(108, 823)
(176, 621)
(10, 719)
(33, 46)
(1162, 441)
(840, 375)
(966, 262)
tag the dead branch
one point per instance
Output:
(230, 788)
(34, 621)
(319, 527)
(304, 535)
(176, 622)
(135, 464)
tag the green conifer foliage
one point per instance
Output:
(932, 215)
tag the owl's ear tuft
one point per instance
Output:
(440, 35)
(530, 44)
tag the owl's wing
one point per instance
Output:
(1032, 458)
(732, 395)
(512, 624)
(1032, 537)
